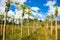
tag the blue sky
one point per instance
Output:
(41, 7)
(41, 4)
(37, 3)
(13, 7)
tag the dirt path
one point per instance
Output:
(46, 34)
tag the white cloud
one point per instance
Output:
(52, 11)
(18, 14)
(31, 17)
(11, 14)
(20, 1)
(38, 14)
(25, 16)
(2, 9)
(50, 3)
(58, 11)
(41, 16)
(35, 9)
(2, 3)
(34, 13)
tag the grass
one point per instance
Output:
(36, 33)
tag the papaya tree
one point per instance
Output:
(5, 25)
(8, 3)
(22, 7)
(51, 17)
(1, 21)
(56, 14)
(29, 13)
(47, 21)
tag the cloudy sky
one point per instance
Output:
(44, 7)
(40, 8)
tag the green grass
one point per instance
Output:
(39, 33)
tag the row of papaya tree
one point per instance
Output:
(27, 10)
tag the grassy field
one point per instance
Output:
(13, 32)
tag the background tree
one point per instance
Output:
(28, 11)
(8, 3)
(56, 14)
(1, 21)
(19, 22)
(51, 17)
(47, 21)
(6, 10)
(22, 7)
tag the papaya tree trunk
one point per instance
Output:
(56, 27)
(4, 28)
(28, 27)
(12, 26)
(21, 27)
(33, 27)
(47, 25)
(51, 27)
(1, 28)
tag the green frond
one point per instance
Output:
(56, 11)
